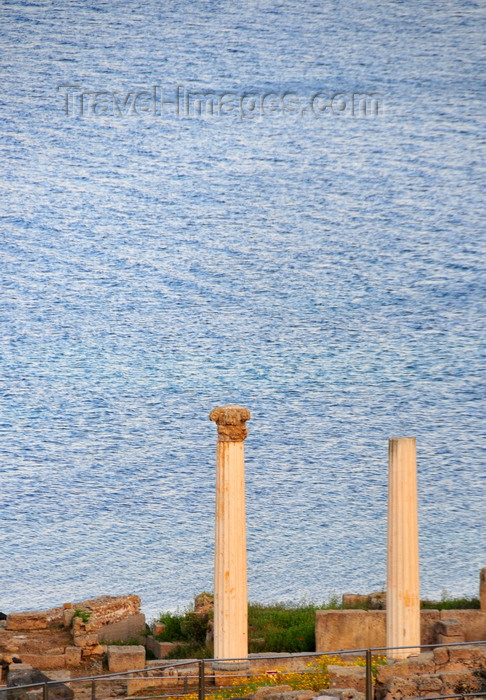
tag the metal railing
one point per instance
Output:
(201, 679)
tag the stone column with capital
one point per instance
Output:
(402, 590)
(230, 578)
(482, 589)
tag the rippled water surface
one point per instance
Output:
(322, 269)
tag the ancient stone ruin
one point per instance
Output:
(74, 634)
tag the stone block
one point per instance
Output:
(67, 614)
(21, 677)
(159, 649)
(347, 677)
(73, 656)
(472, 621)
(81, 627)
(449, 626)
(377, 600)
(459, 682)
(355, 600)
(428, 618)
(45, 662)
(376, 629)
(400, 688)
(142, 685)
(449, 631)
(384, 673)
(360, 629)
(97, 650)
(404, 668)
(470, 656)
(341, 629)
(444, 639)
(4, 674)
(110, 609)
(60, 675)
(422, 663)
(441, 656)
(124, 630)
(129, 658)
(85, 640)
(342, 694)
(261, 663)
(29, 620)
(429, 685)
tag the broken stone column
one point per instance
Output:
(67, 614)
(230, 579)
(402, 595)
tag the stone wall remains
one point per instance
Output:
(57, 638)
(362, 629)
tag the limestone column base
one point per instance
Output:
(230, 665)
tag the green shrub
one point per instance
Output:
(83, 614)
(448, 603)
(172, 631)
(281, 627)
(188, 627)
(194, 628)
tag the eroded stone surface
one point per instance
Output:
(347, 677)
(24, 676)
(125, 658)
(449, 631)
(231, 422)
(442, 672)
(28, 620)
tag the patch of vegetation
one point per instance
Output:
(314, 677)
(187, 627)
(281, 627)
(133, 641)
(190, 629)
(84, 615)
(448, 603)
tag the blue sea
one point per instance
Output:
(275, 204)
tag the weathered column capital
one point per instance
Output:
(231, 422)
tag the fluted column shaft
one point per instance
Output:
(230, 576)
(482, 589)
(402, 595)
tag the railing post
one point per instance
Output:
(369, 676)
(45, 692)
(93, 690)
(201, 686)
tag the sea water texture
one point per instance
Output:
(323, 269)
